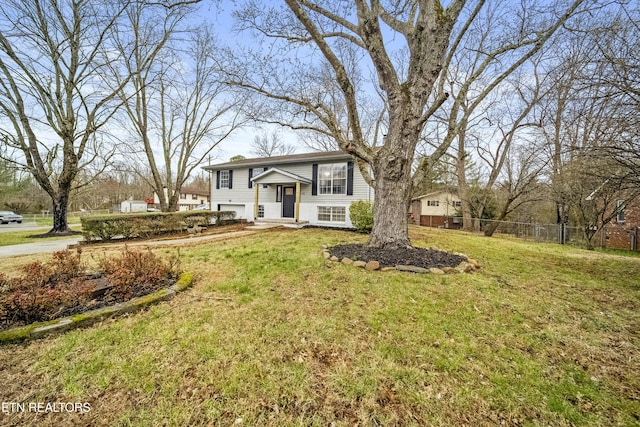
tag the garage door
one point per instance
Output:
(238, 209)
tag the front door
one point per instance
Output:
(288, 202)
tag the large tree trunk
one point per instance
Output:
(392, 170)
(393, 195)
(60, 206)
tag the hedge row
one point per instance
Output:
(149, 224)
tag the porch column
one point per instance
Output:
(255, 202)
(297, 201)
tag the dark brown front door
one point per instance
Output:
(288, 201)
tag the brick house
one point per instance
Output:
(624, 230)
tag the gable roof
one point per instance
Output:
(275, 160)
(188, 189)
(433, 193)
(289, 175)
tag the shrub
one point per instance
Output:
(361, 215)
(61, 287)
(106, 227)
(137, 273)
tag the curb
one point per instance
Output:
(41, 329)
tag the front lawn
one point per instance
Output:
(271, 334)
(20, 237)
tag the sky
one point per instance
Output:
(219, 15)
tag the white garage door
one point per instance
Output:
(238, 209)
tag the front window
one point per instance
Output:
(332, 179)
(224, 179)
(183, 197)
(433, 202)
(260, 211)
(332, 213)
(194, 197)
(620, 209)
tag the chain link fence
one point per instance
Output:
(550, 233)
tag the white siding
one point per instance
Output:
(446, 204)
(241, 194)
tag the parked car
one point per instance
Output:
(204, 207)
(7, 216)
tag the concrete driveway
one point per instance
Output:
(62, 244)
(45, 246)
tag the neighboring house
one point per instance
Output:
(623, 232)
(133, 206)
(190, 198)
(312, 188)
(437, 209)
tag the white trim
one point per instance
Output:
(294, 177)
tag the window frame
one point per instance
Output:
(224, 179)
(327, 186)
(620, 207)
(332, 214)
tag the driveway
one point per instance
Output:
(62, 244)
(45, 246)
(25, 226)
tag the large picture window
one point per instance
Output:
(332, 179)
(332, 213)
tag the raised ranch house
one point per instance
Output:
(311, 188)
(437, 209)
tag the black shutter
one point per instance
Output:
(250, 176)
(230, 180)
(314, 180)
(350, 179)
(217, 180)
(265, 185)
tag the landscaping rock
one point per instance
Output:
(411, 269)
(326, 255)
(347, 261)
(372, 265)
(434, 270)
(465, 267)
(334, 258)
(360, 264)
(473, 262)
(388, 269)
(449, 270)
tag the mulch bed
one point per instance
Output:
(418, 257)
(100, 295)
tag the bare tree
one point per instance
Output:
(520, 183)
(479, 69)
(271, 145)
(52, 57)
(586, 120)
(175, 105)
(425, 37)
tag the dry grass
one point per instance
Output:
(270, 335)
